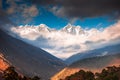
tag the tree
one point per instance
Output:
(89, 76)
(10, 74)
(35, 78)
(81, 75)
(110, 73)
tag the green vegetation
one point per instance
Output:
(109, 73)
(11, 74)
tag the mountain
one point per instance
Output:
(43, 27)
(75, 30)
(28, 60)
(94, 64)
(108, 50)
(68, 40)
(31, 28)
(50, 39)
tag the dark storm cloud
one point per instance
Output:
(83, 8)
(45, 2)
(0, 3)
(90, 8)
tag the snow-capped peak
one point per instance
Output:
(43, 25)
(43, 28)
(76, 30)
(69, 29)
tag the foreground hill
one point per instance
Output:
(28, 60)
(94, 64)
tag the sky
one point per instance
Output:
(99, 20)
(58, 13)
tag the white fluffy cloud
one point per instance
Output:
(63, 44)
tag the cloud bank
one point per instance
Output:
(63, 43)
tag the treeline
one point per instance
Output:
(109, 73)
(11, 74)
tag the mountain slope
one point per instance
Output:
(28, 59)
(93, 53)
(94, 64)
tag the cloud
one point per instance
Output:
(63, 44)
(21, 11)
(4, 17)
(31, 11)
(17, 10)
(93, 8)
(24, 10)
(45, 2)
(0, 3)
(113, 30)
(82, 8)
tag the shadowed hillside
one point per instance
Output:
(28, 59)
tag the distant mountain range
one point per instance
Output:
(27, 59)
(108, 50)
(97, 62)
